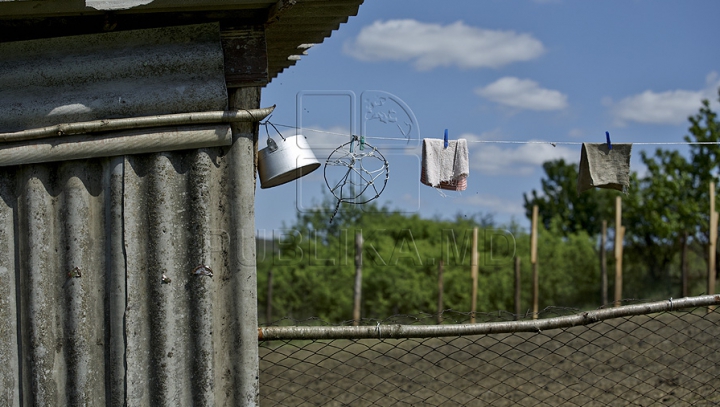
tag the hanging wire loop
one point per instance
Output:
(350, 174)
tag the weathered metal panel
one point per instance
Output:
(9, 356)
(60, 238)
(104, 76)
(169, 212)
(86, 316)
(117, 143)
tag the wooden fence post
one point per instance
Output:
(517, 287)
(684, 265)
(357, 292)
(712, 246)
(474, 275)
(619, 235)
(440, 291)
(268, 307)
(533, 262)
(603, 265)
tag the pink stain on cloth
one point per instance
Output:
(445, 168)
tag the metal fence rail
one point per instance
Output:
(640, 354)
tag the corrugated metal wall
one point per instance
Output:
(98, 301)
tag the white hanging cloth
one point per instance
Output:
(445, 168)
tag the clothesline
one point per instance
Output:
(553, 143)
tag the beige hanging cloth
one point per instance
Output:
(601, 167)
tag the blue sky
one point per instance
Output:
(523, 70)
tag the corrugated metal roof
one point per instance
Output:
(99, 302)
(47, 8)
(307, 22)
(110, 75)
(289, 23)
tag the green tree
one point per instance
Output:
(674, 198)
(313, 270)
(569, 268)
(667, 204)
(559, 200)
(659, 215)
(704, 160)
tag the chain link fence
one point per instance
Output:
(659, 353)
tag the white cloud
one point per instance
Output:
(576, 133)
(517, 159)
(494, 204)
(523, 94)
(669, 107)
(432, 45)
(494, 134)
(672, 107)
(325, 138)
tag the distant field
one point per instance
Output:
(664, 359)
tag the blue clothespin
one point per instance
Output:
(607, 138)
(446, 138)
